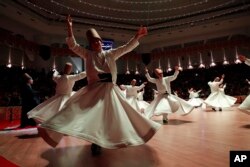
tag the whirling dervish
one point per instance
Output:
(194, 97)
(165, 102)
(217, 98)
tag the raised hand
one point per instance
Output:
(69, 24)
(242, 58)
(69, 20)
(142, 31)
(176, 68)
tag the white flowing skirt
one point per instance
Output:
(138, 105)
(48, 108)
(184, 107)
(100, 114)
(167, 104)
(218, 99)
(245, 105)
(197, 102)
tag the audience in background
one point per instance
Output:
(29, 100)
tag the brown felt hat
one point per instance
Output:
(92, 34)
(67, 68)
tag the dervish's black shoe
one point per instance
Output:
(165, 121)
(95, 149)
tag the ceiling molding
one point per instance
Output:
(182, 20)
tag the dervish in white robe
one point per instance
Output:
(245, 105)
(217, 98)
(194, 98)
(132, 96)
(99, 113)
(165, 102)
(64, 90)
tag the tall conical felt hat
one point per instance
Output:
(67, 68)
(92, 34)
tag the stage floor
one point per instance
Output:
(200, 139)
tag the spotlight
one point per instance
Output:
(225, 62)
(237, 61)
(201, 65)
(212, 64)
(127, 72)
(9, 65)
(190, 66)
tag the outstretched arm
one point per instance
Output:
(123, 87)
(133, 43)
(248, 81)
(244, 59)
(77, 77)
(72, 44)
(69, 25)
(149, 77)
(155, 91)
(142, 31)
(141, 86)
(222, 79)
(55, 75)
(173, 77)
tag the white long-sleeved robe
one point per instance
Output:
(165, 102)
(47, 109)
(132, 97)
(64, 90)
(217, 97)
(245, 105)
(194, 99)
(99, 113)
